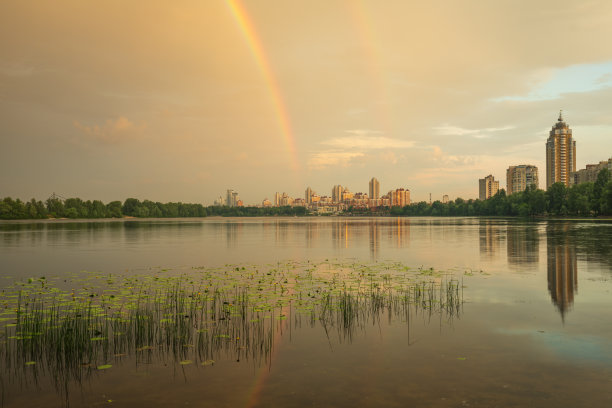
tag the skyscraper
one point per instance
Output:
(337, 193)
(487, 187)
(560, 154)
(374, 189)
(521, 176)
(308, 195)
(232, 198)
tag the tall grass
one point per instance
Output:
(201, 315)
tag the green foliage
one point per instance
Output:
(77, 208)
(584, 199)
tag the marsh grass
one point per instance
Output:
(198, 316)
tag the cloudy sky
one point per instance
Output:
(181, 100)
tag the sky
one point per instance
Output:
(182, 100)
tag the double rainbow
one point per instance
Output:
(248, 29)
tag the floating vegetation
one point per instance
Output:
(70, 329)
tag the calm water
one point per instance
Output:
(535, 328)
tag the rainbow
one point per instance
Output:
(248, 29)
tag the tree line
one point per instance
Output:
(15, 209)
(585, 199)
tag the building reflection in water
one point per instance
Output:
(523, 246)
(374, 232)
(399, 232)
(490, 238)
(340, 233)
(232, 231)
(312, 233)
(562, 266)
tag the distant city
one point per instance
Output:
(560, 167)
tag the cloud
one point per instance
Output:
(476, 133)
(321, 160)
(389, 157)
(452, 160)
(578, 78)
(113, 131)
(366, 140)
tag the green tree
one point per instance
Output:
(114, 209)
(580, 199)
(603, 177)
(556, 197)
(130, 207)
(605, 200)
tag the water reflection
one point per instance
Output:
(490, 238)
(399, 233)
(374, 235)
(562, 266)
(523, 245)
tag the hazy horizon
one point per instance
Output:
(181, 101)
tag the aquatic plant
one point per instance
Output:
(70, 329)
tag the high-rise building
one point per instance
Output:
(521, 176)
(285, 200)
(337, 193)
(445, 199)
(487, 187)
(399, 198)
(374, 189)
(346, 194)
(277, 199)
(232, 198)
(560, 154)
(590, 173)
(308, 195)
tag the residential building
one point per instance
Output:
(231, 198)
(487, 187)
(399, 198)
(521, 176)
(277, 199)
(374, 189)
(589, 174)
(337, 193)
(560, 154)
(308, 195)
(266, 203)
(347, 195)
(445, 199)
(286, 200)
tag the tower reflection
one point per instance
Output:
(489, 238)
(523, 246)
(562, 267)
(374, 232)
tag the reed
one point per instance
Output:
(202, 315)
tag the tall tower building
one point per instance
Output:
(374, 189)
(560, 154)
(232, 198)
(337, 193)
(487, 187)
(521, 176)
(308, 195)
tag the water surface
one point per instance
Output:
(534, 328)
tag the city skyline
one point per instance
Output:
(179, 102)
